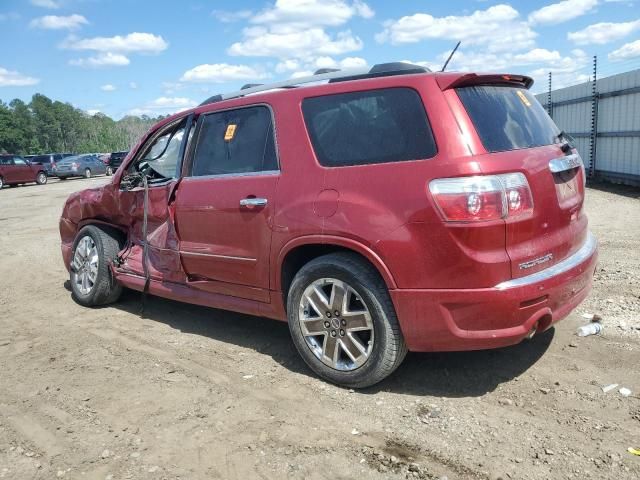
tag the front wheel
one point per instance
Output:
(87, 173)
(91, 281)
(342, 321)
(41, 178)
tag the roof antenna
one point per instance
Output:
(450, 55)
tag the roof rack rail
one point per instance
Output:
(250, 85)
(332, 75)
(320, 71)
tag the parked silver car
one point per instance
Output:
(80, 166)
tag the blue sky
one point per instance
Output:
(155, 57)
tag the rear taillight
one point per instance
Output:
(482, 198)
(74, 165)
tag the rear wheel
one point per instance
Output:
(1, 182)
(91, 281)
(342, 321)
(87, 173)
(41, 178)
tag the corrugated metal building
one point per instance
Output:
(615, 153)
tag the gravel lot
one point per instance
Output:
(189, 392)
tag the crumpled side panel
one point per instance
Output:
(126, 211)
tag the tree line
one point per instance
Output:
(47, 126)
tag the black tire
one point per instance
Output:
(62, 178)
(388, 350)
(105, 289)
(87, 173)
(1, 182)
(109, 171)
(41, 178)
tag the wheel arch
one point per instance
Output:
(119, 233)
(300, 251)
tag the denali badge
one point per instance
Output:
(537, 261)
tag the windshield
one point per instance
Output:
(508, 118)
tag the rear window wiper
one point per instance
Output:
(568, 142)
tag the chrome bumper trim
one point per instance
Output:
(585, 252)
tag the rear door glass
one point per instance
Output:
(235, 142)
(507, 118)
(374, 126)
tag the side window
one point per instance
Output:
(375, 126)
(235, 141)
(19, 161)
(161, 158)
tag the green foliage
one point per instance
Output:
(47, 126)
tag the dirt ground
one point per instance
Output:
(189, 392)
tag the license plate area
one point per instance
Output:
(568, 183)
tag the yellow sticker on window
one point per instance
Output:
(230, 132)
(523, 98)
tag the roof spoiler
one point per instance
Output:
(455, 80)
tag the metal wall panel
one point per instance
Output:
(618, 141)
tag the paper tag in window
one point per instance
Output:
(523, 98)
(230, 132)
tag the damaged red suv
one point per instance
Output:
(377, 211)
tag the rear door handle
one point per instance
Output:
(252, 202)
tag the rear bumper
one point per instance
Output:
(475, 319)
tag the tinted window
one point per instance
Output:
(375, 126)
(6, 160)
(19, 161)
(235, 141)
(508, 118)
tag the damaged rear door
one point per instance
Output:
(158, 162)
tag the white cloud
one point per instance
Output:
(604, 32)
(112, 50)
(9, 78)
(45, 3)
(220, 73)
(498, 27)
(133, 85)
(107, 59)
(307, 68)
(108, 88)
(135, 42)
(561, 12)
(293, 29)
(626, 51)
(54, 22)
(93, 111)
(163, 106)
(302, 14)
(229, 17)
(296, 44)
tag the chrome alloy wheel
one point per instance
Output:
(85, 265)
(336, 324)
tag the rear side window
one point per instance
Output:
(235, 142)
(507, 118)
(375, 126)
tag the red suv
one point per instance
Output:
(15, 170)
(376, 211)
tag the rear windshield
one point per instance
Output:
(375, 126)
(508, 118)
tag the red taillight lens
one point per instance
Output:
(74, 165)
(482, 198)
(517, 193)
